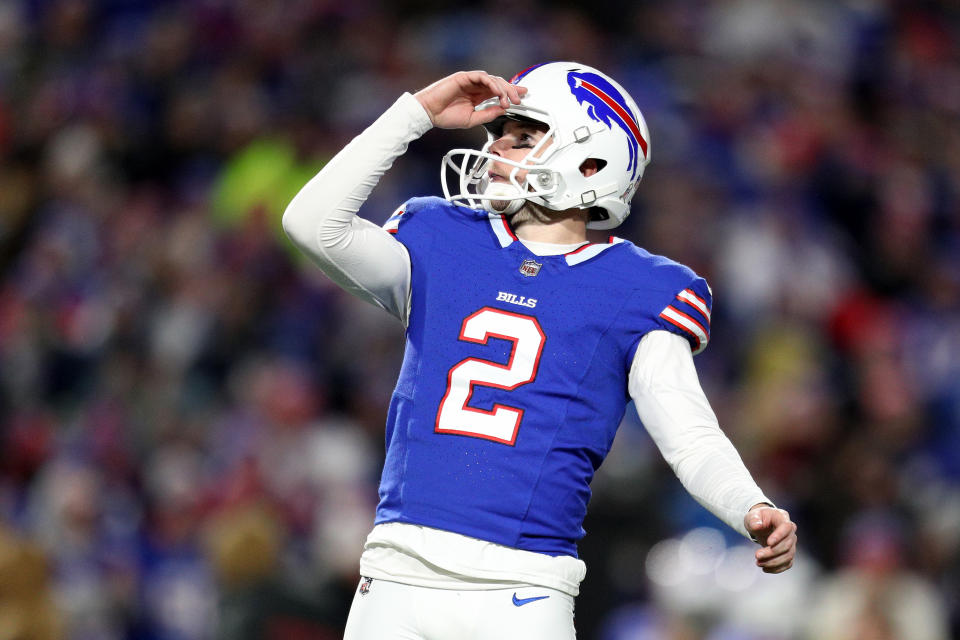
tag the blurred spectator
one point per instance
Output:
(875, 596)
(27, 608)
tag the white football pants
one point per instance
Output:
(384, 610)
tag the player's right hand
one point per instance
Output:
(776, 534)
(450, 102)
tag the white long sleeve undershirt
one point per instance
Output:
(370, 263)
(322, 218)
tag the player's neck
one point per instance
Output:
(554, 227)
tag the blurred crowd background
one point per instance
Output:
(191, 416)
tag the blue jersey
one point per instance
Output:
(514, 378)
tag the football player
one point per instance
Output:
(526, 336)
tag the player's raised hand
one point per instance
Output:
(776, 534)
(450, 102)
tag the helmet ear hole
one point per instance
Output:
(591, 166)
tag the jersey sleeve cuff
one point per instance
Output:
(688, 314)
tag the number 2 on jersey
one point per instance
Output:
(502, 422)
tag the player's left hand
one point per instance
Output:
(776, 534)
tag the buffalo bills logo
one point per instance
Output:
(608, 106)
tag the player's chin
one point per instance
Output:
(500, 205)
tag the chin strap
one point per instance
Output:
(512, 207)
(511, 198)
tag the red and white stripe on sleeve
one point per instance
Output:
(689, 313)
(393, 222)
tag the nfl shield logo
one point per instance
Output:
(530, 268)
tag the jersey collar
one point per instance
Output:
(505, 236)
(501, 229)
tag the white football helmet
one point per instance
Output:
(589, 116)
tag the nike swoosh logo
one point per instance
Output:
(519, 602)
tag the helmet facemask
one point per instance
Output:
(472, 166)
